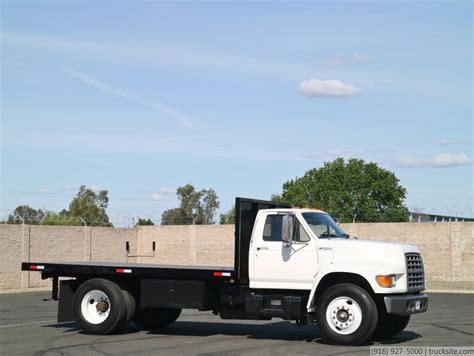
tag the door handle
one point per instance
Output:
(262, 248)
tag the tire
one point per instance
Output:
(346, 314)
(99, 307)
(131, 306)
(155, 318)
(390, 326)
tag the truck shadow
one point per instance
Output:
(404, 336)
(282, 330)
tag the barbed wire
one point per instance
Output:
(444, 214)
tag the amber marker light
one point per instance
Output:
(386, 281)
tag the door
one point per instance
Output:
(280, 265)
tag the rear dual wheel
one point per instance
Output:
(102, 307)
(155, 318)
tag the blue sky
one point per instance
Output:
(142, 97)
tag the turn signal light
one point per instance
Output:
(386, 281)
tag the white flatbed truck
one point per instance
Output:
(290, 263)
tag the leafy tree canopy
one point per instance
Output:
(352, 190)
(28, 214)
(228, 217)
(61, 219)
(196, 207)
(144, 222)
(90, 206)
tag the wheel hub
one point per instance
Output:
(102, 306)
(342, 315)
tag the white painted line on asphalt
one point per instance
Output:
(34, 323)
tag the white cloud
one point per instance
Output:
(381, 83)
(168, 111)
(44, 190)
(209, 146)
(168, 190)
(101, 85)
(356, 57)
(335, 62)
(157, 197)
(182, 57)
(70, 187)
(327, 88)
(438, 161)
(163, 194)
(311, 156)
(339, 151)
(75, 188)
(94, 188)
(447, 142)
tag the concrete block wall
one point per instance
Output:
(109, 245)
(57, 244)
(11, 256)
(211, 245)
(447, 247)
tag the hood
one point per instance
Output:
(378, 256)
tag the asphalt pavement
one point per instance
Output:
(28, 326)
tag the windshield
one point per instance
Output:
(323, 226)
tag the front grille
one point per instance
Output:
(415, 272)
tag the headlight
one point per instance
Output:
(387, 281)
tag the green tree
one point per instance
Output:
(90, 206)
(228, 217)
(144, 222)
(207, 207)
(196, 207)
(61, 219)
(352, 190)
(28, 214)
(173, 217)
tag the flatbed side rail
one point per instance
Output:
(51, 270)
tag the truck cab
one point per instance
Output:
(304, 249)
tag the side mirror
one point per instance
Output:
(287, 229)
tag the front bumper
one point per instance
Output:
(406, 304)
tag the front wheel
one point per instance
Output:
(346, 314)
(390, 326)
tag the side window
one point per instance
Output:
(299, 234)
(272, 229)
